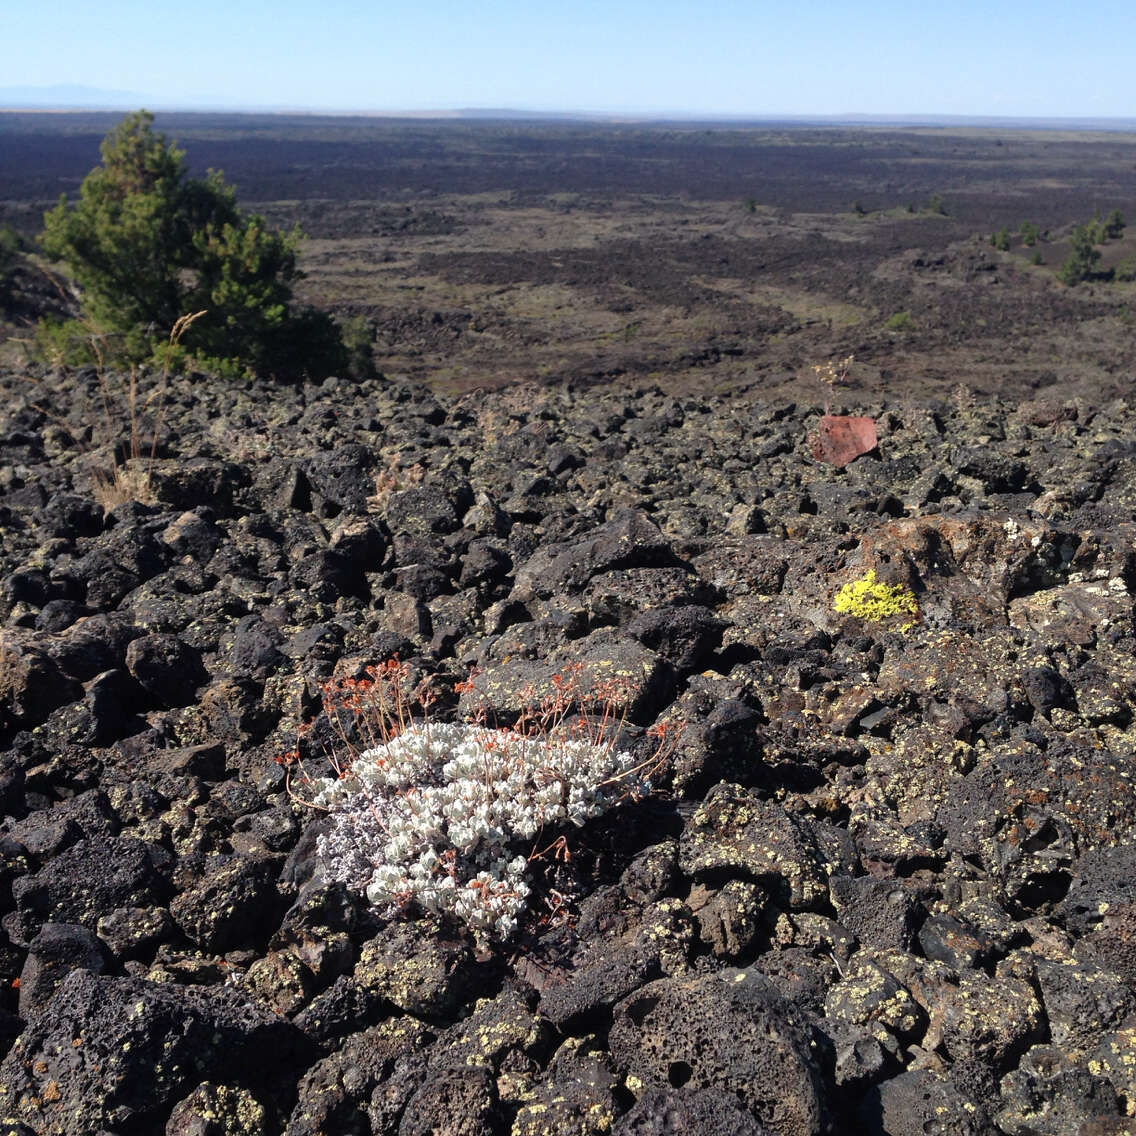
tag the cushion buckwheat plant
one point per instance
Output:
(438, 816)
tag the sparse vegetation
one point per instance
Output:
(871, 599)
(146, 243)
(450, 818)
(901, 322)
(1112, 228)
(1030, 233)
(833, 374)
(1001, 240)
(1083, 258)
(125, 416)
(10, 247)
(358, 334)
(404, 260)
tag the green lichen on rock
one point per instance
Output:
(871, 599)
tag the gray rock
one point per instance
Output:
(219, 1110)
(880, 913)
(736, 830)
(413, 968)
(920, 1103)
(90, 879)
(57, 949)
(630, 540)
(141, 1047)
(236, 903)
(343, 476)
(1049, 1093)
(674, 1112)
(728, 1032)
(169, 670)
(333, 1094)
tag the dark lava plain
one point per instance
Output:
(886, 882)
(698, 257)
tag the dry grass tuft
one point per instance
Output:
(126, 409)
(392, 479)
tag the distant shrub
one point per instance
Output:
(1031, 234)
(1037, 258)
(1125, 271)
(901, 321)
(1001, 240)
(936, 205)
(1083, 258)
(1113, 226)
(147, 244)
(358, 334)
(10, 249)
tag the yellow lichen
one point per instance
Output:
(871, 599)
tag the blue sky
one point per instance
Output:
(1048, 58)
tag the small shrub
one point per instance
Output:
(60, 343)
(1125, 271)
(392, 479)
(1037, 258)
(1001, 240)
(901, 321)
(10, 249)
(1031, 234)
(833, 374)
(1083, 258)
(358, 334)
(449, 818)
(871, 599)
(936, 205)
(1113, 226)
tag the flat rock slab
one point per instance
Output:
(600, 667)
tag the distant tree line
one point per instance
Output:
(1084, 260)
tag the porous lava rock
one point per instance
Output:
(883, 878)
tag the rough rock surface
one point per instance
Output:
(885, 882)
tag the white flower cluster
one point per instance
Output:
(435, 816)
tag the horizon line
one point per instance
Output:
(910, 118)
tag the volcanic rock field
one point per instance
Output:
(884, 882)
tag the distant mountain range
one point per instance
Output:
(71, 96)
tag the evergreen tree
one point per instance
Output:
(1084, 256)
(147, 244)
